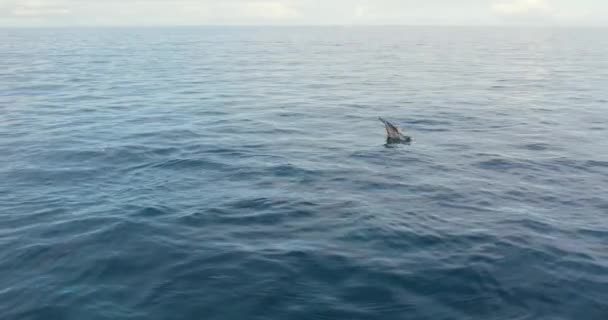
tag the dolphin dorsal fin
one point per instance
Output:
(392, 130)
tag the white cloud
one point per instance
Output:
(38, 8)
(360, 11)
(527, 12)
(522, 7)
(300, 12)
(269, 10)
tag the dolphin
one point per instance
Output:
(394, 134)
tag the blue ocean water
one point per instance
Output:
(241, 173)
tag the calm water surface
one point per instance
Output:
(241, 173)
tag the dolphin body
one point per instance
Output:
(394, 134)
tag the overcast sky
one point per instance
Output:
(17, 13)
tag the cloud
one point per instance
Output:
(34, 8)
(360, 11)
(269, 10)
(522, 8)
(299, 12)
(235, 12)
(526, 12)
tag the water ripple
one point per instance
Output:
(230, 173)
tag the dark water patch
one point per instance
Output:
(597, 128)
(290, 170)
(87, 97)
(592, 166)
(381, 185)
(456, 147)
(601, 204)
(51, 177)
(76, 156)
(132, 154)
(201, 218)
(104, 157)
(265, 218)
(43, 312)
(502, 164)
(559, 201)
(40, 89)
(217, 272)
(239, 152)
(433, 129)
(405, 157)
(175, 134)
(257, 204)
(189, 164)
(529, 224)
(265, 210)
(520, 195)
(246, 174)
(404, 239)
(428, 122)
(600, 233)
(536, 146)
(499, 87)
(58, 245)
(153, 212)
(599, 164)
(459, 204)
(355, 106)
(262, 211)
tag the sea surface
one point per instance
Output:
(242, 173)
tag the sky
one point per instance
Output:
(61, 13)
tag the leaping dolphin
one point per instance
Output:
(394, 134)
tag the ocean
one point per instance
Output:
(242, 173)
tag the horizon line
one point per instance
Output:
(146, 26)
